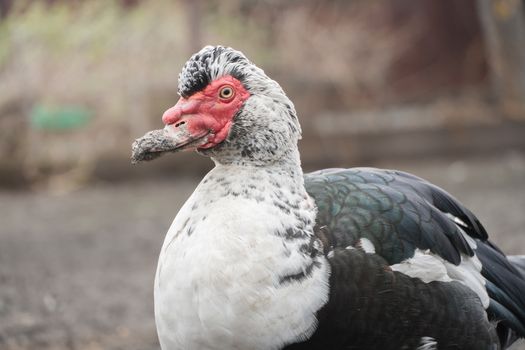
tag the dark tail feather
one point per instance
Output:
(505, 284)
(505, 322)
(519, 262)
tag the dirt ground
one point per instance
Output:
(76, 270)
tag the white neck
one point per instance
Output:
(251, 179)
(223, 274)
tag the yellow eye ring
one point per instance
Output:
(226, 92)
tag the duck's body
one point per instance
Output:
(262, 257)
(225, 256)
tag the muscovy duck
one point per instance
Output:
(264, 257)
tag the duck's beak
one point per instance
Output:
(170, 139)
(185, 129)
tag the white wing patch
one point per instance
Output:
(456, 220)
(427, 343)
(430, 267)
(468, 272)
(461, 224)
(424, 265)
(367, 245)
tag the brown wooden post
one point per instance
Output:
(503, 23)
(5, 5)
(193, 8)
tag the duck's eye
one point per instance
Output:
(226, 92)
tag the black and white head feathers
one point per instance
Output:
(267, 123)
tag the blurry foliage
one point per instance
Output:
(112, 61)
(120, 60)
(94, 53)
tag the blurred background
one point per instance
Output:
(436, 88)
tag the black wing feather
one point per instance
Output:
(399, 212)
(373, 307)
(505, 285)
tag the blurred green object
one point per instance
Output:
(60, 118)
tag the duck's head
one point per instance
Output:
(229, 109)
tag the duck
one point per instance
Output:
(264, 256)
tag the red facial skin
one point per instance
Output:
(206, 112)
